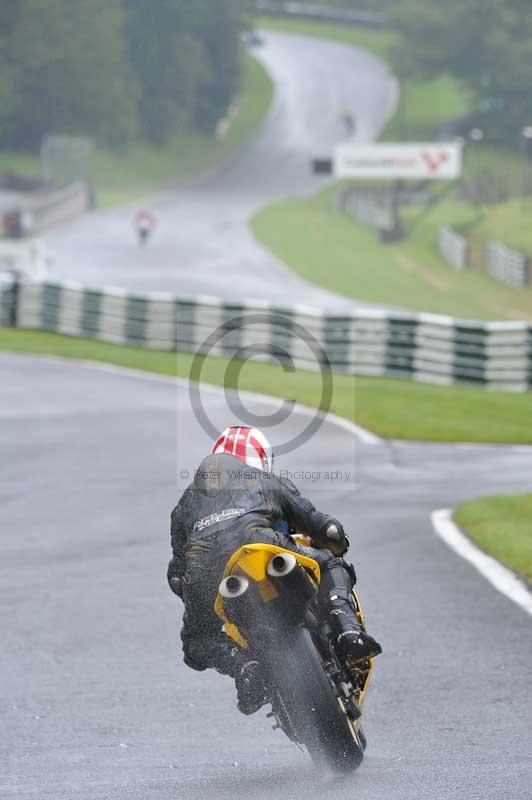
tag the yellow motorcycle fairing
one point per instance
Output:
(252, 560)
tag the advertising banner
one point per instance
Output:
(440, 161)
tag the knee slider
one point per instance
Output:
(195, 656)
(339, 597)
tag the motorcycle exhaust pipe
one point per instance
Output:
(233, 586)
(238, 599)
(281, 565)
(289, 577)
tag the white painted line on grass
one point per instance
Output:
(500, 577)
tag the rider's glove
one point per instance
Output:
(332, 536)
(176, 585)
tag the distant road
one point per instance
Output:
(203, 244)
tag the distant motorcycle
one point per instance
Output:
(349, 123)
(267, 601)
(144, 223)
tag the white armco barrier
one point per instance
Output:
(40, 210)
(28, 258)
(51, 208)
(421, 347)
(506, 265)
(453, 247)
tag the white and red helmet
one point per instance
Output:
(248, 444)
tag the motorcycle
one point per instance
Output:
(267, 602)
(144, 223)
(143, 233)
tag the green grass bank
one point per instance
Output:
(502, 527)
(334, 251)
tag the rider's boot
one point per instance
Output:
(225, 656)
(229, 659)
(349, 638)
(250, 686)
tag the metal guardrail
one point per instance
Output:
(507, 265)
(501, 262)
(453, 247)
(41, 210)
(370, 205)
(310, 11)
(419, 347)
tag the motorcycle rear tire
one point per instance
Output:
(312, 705)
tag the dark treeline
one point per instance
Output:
(351, 5)
(115, 70)
(485, 44)
(355, 5)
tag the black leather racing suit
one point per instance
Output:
(226, 506)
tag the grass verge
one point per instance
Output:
(508, 222)
(389, 407)
(332, 250)
(144, 167)
(501, 526)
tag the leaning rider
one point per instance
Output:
(226, 507)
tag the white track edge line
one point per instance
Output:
(500, 577)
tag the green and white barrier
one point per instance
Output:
(110, 315)
(8, 296)
(420, 347)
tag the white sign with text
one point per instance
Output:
(437, 161)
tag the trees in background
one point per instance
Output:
(110, 69)
(217, 27)
(186, 60)
(486, 44)
(350, 5)
(64, 65)
(167, 62)
(356, 5)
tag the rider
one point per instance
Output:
(144, 222)
(235, 499)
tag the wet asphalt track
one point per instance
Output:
(203, 244)
(95, 703)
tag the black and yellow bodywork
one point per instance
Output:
(251, 562)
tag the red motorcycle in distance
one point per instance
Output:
(144, 223)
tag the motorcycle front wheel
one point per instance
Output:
(312, 706)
